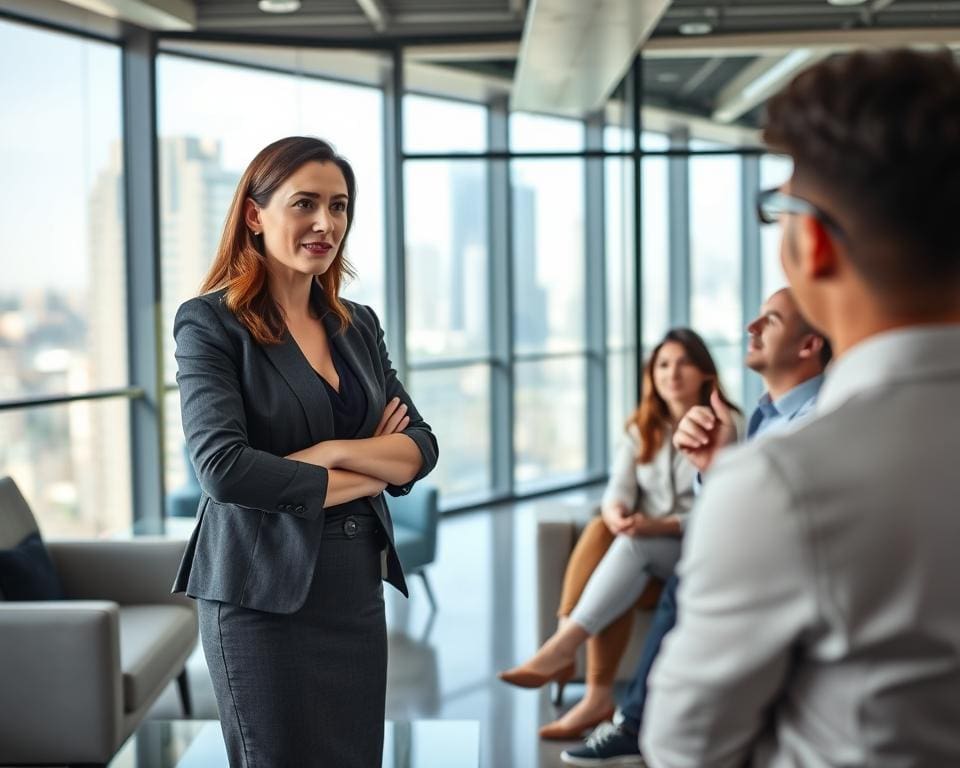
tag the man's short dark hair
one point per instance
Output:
(879, 133)
(826, 351)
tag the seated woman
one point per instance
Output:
(637, 535)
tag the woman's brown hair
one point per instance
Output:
(240, 264)
(652, 417)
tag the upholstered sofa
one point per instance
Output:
(78, 674)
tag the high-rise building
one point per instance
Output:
(468, 236)
(530, 299)
(195, 194)
(99, 430)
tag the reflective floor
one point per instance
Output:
(199, 744)
(443, 666)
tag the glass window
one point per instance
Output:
(621, 395)
(441, 125)
(213, 118)
(620, 293)
(774, 171)
(656, 250)
(617, 138)
(715, 261)
(619, 252)
(548, 255)
(62, 299)
(651, 141)
(72, 464)
(549, 434)
(456, 403)
(537, 133)
(446, 259)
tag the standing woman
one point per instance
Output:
(296, 423)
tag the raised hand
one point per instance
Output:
(703, 431)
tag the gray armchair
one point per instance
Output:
(78, 675)
(557, 534)
(415, 520)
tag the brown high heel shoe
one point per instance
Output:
(527, 678)
(556, 732)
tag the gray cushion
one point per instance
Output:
(27, 572)
(16, 520)
(152, 640)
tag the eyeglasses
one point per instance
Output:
(772, 204)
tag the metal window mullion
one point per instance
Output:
(635, 89)
(395, 322)
(678, 224)
(595, 293)
(500, 301)
(751, 280)
(142, 254)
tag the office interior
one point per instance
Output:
(544, 188)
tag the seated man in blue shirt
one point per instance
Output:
(790, 357)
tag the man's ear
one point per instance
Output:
(818, 253)
(811, 346)
(251, 215)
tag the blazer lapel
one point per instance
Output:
(306, 385)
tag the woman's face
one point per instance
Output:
(675, 377)
(305, 220)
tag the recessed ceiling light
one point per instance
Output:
(279, 6)
(695, 28)
(846, 2)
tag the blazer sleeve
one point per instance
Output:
(214, 423)
(417, 430)
(622, 486)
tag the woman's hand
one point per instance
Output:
(616, 517)
(394, 418)
(640, 524)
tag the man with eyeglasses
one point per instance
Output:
(818, 616)
(790, 355)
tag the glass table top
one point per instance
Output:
(199, 744)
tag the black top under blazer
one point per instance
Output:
(245, 406)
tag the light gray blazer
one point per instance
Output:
(245, 406)
(819, 618)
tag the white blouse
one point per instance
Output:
(661, 487)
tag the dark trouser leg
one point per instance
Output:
(664, 620)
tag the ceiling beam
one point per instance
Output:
(396, 20)
(760, 80)
(699, 77)
(573, 54)
(504, 51)
(375, 11)
(783, 43)
(165, 15)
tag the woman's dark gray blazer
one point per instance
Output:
(245, 406)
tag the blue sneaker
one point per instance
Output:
(609, 745)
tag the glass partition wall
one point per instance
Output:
(527, 262)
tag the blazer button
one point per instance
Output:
(300, 509)
(350, 527)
